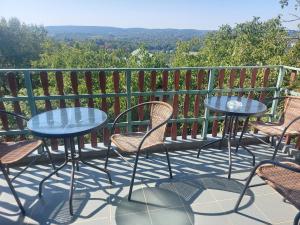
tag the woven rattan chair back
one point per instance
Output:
(291, 111)
(160, 113)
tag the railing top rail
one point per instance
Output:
(291, 68)
(137, 69)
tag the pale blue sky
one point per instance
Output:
(197, 14)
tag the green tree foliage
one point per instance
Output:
(19, 43)
(250, 43)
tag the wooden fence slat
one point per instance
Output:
(141, 81)
(102, 85)
(45, 85)
(221, 77)
(232, 78)
(253, 81)
(3, 117)
(293, 77)
(186, 103)
(264, 84)
(175, 104)
(74, 84)
(13, 86)
(165, 77)
(200, 79)
(116, 82)
(153, 84)
(89, 86)
(242, 80)
(60, 88)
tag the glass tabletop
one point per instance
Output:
(233, 105)
(66, 122)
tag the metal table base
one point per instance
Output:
(230, 133)
(74, 158)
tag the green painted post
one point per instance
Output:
(277, 91)
(211, 81)
(30, 96)
(128, 90)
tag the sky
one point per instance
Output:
(186, 14)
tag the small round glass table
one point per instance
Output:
(233, 107)
(68, 123)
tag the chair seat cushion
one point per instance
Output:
(129, 142)
(285, 181)
(273, 129)
(11, 152)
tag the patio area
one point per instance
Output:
(199, 193)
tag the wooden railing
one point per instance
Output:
(31, 91)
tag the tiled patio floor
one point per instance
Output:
(199, 193)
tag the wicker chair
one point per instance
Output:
(290, 112)
(284, 177)
(12, 152)
(135, 142)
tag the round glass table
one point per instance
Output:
(233, 107)
(68, 123)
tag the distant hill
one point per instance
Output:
(156, 39)
(114, 32)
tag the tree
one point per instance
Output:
(250, 43)
(19, 43)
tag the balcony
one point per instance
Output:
(199, 193)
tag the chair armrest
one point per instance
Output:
(14, 114)
(283, 134)
(279, 164)
(270, 100)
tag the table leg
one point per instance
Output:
(73, 161)
(242, 134)
(229, 145)
(224, 131)
(55, 171)
(240, 139)
(92, 165)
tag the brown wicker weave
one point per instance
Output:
(285, 181)
(282, 176)
(11, 152)
(129, 142)
(291, 111)
(160, 114)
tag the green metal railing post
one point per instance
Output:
(30, 96)
(278, 89)
(128, 90)
(210, 87)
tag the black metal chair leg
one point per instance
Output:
(242, 134)
(169, 163)
(297, 218)
(12, 188)
(246, 186)
(133, 176)
(107, 154)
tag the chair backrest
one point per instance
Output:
(160, 113)
(291, 111)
